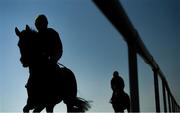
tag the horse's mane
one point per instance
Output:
(29, 30)
(33, 30)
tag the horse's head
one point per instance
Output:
(26, 44)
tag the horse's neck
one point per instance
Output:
(36, 68)
(40, 67)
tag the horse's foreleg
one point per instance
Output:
(26, 109)
(38, 109)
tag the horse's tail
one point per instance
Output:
(82, 105)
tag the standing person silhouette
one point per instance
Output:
(119, 100)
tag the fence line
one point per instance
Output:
(115, 13)
(156, 90)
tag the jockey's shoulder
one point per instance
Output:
(51, 30)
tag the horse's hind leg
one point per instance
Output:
(70, 108)
(49, 108)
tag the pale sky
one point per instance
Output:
(93, 49)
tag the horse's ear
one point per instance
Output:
(17, 31)
(28, 28)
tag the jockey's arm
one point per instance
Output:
(57, 48)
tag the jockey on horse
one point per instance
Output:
(42, 82)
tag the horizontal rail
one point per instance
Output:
(115, 13)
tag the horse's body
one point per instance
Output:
(48, 84)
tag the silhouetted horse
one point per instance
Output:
(48, 84)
